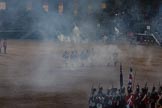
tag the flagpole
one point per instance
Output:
(121, 76)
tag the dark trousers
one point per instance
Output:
(142, 105)
(152, 105)
(91, 107)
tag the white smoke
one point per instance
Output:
(75, 37)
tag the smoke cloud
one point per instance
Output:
(47, 68)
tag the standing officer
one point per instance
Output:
(0, 45)
(5, 45)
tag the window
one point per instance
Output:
(103, 5)
(29, 6)
(75, 7)
(60, 8)
(90, 8)
(2, 5)
(45, 7)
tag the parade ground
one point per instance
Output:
(34, 74)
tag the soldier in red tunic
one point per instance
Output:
(159, 101)
(92, 103)
(144, 98)
(129, 98)
(137, 96)
(153, 97)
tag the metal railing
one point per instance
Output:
(157, 38)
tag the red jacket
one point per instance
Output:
(130, 100)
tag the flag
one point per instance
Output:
(121, 76)
(130, 84)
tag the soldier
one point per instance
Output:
(82, 55)
(92, 100)
(72, 55)
(144, 98)
(118, 104)
(160, 89)
(65, 56)
(153, 97)
(100, 98)
(159, 101)
(122, 98)
(0, 45)
(137, 89)
(129, 98)
(105, 38)
(148, 103)
(115, 58)
(114, 98)
(75, 56)
(108, 99)
(5, 45)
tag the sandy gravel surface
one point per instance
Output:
(33, 73)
